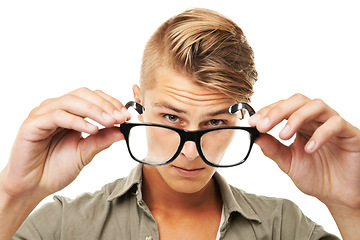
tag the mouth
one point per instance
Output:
(188, 172)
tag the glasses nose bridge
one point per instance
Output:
(188, 150)
(191, 136)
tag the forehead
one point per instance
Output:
(180, 91)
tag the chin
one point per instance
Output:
(185, 184)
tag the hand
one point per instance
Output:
(49, 151)
(324, 159)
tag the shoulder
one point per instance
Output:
(254, 207)
(86, 201)
(265, 206)
(49, 221)
(282, 217)
(121, 188)
(266, 217)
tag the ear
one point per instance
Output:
(137, 98)
(137, 93)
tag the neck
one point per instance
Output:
(162, 196)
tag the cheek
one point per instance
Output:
(211, 148)
(162, 144)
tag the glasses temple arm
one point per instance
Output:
(232, 109)
(137, 106)
(238, 106)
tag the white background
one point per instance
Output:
(48, 48)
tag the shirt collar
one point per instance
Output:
(125, 184)
(234, 199)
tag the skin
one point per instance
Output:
(323, 161)
(50, 135)
(181, 202)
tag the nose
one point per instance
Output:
(190, 151)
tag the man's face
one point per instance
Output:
(178, 102)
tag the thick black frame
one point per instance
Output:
(190, 135)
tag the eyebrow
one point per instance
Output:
(180, 111)
(222, 111)
(165, 105)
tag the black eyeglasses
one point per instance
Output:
(156, 145)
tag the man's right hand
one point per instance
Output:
(49, 151)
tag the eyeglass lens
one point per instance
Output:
(154, 144)
(226, 146)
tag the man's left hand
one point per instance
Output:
(324, 159)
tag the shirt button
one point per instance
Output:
(148, 238)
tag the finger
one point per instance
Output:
(116, 103)
(271, 115)
(84, 108)
(86, 103)
(279, 111)
(265, 110)
(110, 99)
(94, 144)
(315, 110)
(77, 106)
(335, 128)
(254, 119)
(275, 150)
(40, 127)
(110, 105)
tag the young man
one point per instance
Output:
(195, 67)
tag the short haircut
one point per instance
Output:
(205, 46)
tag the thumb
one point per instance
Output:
(274, 149)
(94, 144)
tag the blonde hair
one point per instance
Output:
(205, 46)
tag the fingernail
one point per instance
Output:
(126, 113)
(118, 115)
(285, 130)
(310, 145)
(254, 118)
(264, 123)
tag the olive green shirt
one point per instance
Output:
(118, 211)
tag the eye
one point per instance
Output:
(171, 118)
(216, 122)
